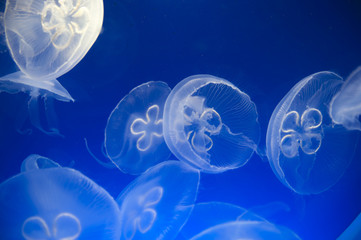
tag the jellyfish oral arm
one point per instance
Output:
(48, 89)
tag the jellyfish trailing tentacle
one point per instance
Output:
(108, 164)
(48, 90)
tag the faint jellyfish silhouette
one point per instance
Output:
(134, 133)
(346, 104)
(307, 152)
(158, 203)
(353, 231)
(209, 214)
(256, 230)
(46, 201)
(35, 162)
(206, 116)
(46, 39)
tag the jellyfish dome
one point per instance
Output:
(306, 150)
(46, 201)
(134, 133)
(346, 105)
(46, 39)
(206, 117)
(208, 214)
(255, 230)
(158, 203)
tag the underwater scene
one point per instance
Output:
(223, 119)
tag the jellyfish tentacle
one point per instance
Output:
(34, 114)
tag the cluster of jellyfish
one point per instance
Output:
(198, 121)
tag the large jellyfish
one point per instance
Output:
(158, 203)
(46, 201)
(255, 230)
(208, 214)
(46, 39)
(206, 117)
(346, 105)
(307, 152)
(134, 133)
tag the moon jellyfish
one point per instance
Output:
(346, 105)
(46, 201)
(134, 133)
(307, 152)
(158, 203)
(46, 39)
(353, 231)
(209, 214)
(255, 230)
(206, 117)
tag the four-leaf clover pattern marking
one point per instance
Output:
(146, 215)
(63, 20)
(304, 133)
(148, 128)
(65, 226)
(200, 123)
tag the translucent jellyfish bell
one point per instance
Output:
(206, 117)
(208, 214)
(134, 133)
(307, 152)
(158, 203)
(255, 230)
(346, 105)
(46, 39)
(46, 201)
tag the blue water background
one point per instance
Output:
(263, 47)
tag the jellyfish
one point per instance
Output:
(353, 231)
(46, 201)
(256, 230)
(158, 203)
(346, 104)
(209, 214)
(307, 152)
(206, 117)
(134, 133)
(46, 39)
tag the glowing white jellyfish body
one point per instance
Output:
(134, 132)
(306, 150)
(206, 117)
(46, 39)
(158, 203)
(346, 105)
(46, 201)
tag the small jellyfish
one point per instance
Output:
(134, 133)
(158, 203)
(307, 152)
(206, 117)
(46, 201)
(255, 230)
(46, 39)
(346, 104)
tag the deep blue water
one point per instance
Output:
(263, 47)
